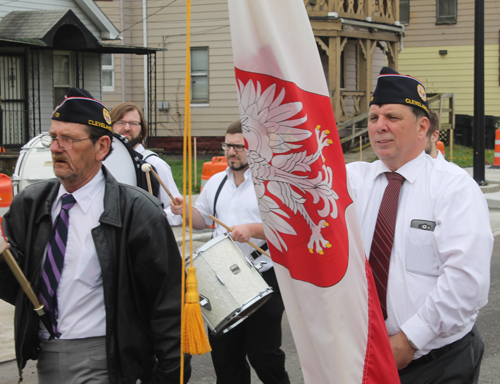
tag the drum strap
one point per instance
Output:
(147, 153)
(264, 246)
(142, 181)
(218, 193)
(256, 253)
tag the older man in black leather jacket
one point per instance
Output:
(140, 271)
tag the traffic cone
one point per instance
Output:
(496, 161)
(440, 146)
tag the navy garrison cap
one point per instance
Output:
(79, 106)
(393, 88)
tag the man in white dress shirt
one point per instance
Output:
(439, 269)
(259, 336)
(102, 258)
(128, 120)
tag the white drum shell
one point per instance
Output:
(35, 164)
(229, 281)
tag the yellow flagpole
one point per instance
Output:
(193, 337)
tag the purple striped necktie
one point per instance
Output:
(380, 253)
(54, 261)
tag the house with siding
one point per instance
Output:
(162, 25)
(46, 47)
(355, 39)
(439, 49)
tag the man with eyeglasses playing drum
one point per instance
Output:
(230, 196)
(100, 256)
(128, 120)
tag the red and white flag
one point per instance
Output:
(300, 178)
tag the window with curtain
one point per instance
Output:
(199, 75)
(62, 64)
(446, 11)
(108, 72)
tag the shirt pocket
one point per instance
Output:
(420, 255)
(89, 269)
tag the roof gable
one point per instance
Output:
(57, 28)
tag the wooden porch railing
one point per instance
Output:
(380, 11)
(345, 95)
(436, 102)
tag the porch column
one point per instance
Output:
(335, 49)
(365, 71)
(392, 55)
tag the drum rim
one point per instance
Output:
(261, 298)
(210, 243)
(197, 252)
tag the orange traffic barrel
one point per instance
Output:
(6, 194)
(440, 146)
(210, 168)
(496, 161)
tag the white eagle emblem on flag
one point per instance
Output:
(281, 165)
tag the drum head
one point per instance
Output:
(33, 164)
(121, 163)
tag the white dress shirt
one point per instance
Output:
(438, 279)
(80, 294)
(165, 174)
(235, 206)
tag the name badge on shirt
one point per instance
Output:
(424, 225)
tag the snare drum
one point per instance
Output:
(35, 163)
(229, 285)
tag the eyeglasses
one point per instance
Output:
(64, 142)
(122, 123)
(236, 147)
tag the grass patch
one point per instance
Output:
(464, 156)
(177, 172)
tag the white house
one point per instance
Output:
(45, 48)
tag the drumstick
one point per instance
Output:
(26, 287)
(163, 185)
(146, 168)
(248, 242)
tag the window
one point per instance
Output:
(108, 72)
(199, 75)
(62, 75)
(404, 11)
(446, 11)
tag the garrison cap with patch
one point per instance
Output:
(79, 106)
(394, 88)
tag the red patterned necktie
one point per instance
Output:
(54, 261)
(380, 253)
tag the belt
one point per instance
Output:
(437, 353)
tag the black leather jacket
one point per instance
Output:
(141, 274)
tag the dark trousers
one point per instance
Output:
(456, 363)
(259, 338)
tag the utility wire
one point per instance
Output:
(147, 17)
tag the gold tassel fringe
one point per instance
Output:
(195, 340)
